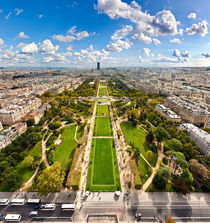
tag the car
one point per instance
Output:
(1, 216)
(87, 193)
(33, 214)
(38, 206)
(138, 216)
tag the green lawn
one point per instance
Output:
(103, 174)
(143, 169)
(136, 136)
(102, 99)
(102, 91)
(102, 84)
(102, 110)
(64, 153)
(102, 127)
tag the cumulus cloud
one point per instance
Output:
(176, 40)
(91, 55)
(47, 47)
(69, 48)
(121, 33)
(8, 15)
(176, 53)
(146, 51)
(28, 48)
(143, 38)
(1, 42)
(18, 11)
(22, 35)
(156, 41)
(40, 16)
(192, 15)
(200, 28)
(162, 59)
(186, 53)
(163, 23)
(118, 46)
(206, 54)
(72, 35)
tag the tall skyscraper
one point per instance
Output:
(98, 66)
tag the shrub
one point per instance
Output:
(159, 182)
(165, 160)
(137, 180)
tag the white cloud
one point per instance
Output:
(176, 53)
(206, 54)
(69, 48)
(47, 47)
(18, 11)
(176, 40)
(1, 42)
(163, 23)
(73, 35)
(91, 55)
(147, 51)
(22, 35)
(200, 28)
(192, 15)
(40, 16)
(118, 46)
(181, 31)
(162, 59)
(121, 33)
(28, 48)
(186, 53)
(8, 15)
(156, 41)
(143, 38)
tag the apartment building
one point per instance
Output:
(192, 110)
(201, 138)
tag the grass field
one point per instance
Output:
(103, 174)
(102, 99)
(136, 136)
(102, 110)
(102, 84)
(64, 153)
(102, 127)
(102, 91)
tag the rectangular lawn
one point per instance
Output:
(103, 174)
(102, 110)
(102, 127)
(102, 91)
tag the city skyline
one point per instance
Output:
(115, 33)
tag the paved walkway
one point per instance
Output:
(154, 169)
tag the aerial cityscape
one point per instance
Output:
(104, 111)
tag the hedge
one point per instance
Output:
(137, 179)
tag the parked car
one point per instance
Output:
(33, 214)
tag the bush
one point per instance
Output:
(165, 160)
(137, 180)
(159, 182)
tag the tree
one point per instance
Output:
(165, 173)
(28, 161)
(160, 133)
(159, 181)
(178, 160)
(30, 122)
(50, 180)
(198, 169)
(169, 219)
(181, 186)
(150, 137)
(175, 144)
(149, 155)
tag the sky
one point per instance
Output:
(116, 33)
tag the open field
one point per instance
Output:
(136, 136)
(103, 174)
(64, 153)
(102, 99)
(102, 110)
(102, 127)
(102, 91)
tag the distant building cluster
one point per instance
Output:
(201, 138)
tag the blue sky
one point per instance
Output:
(78, 33)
